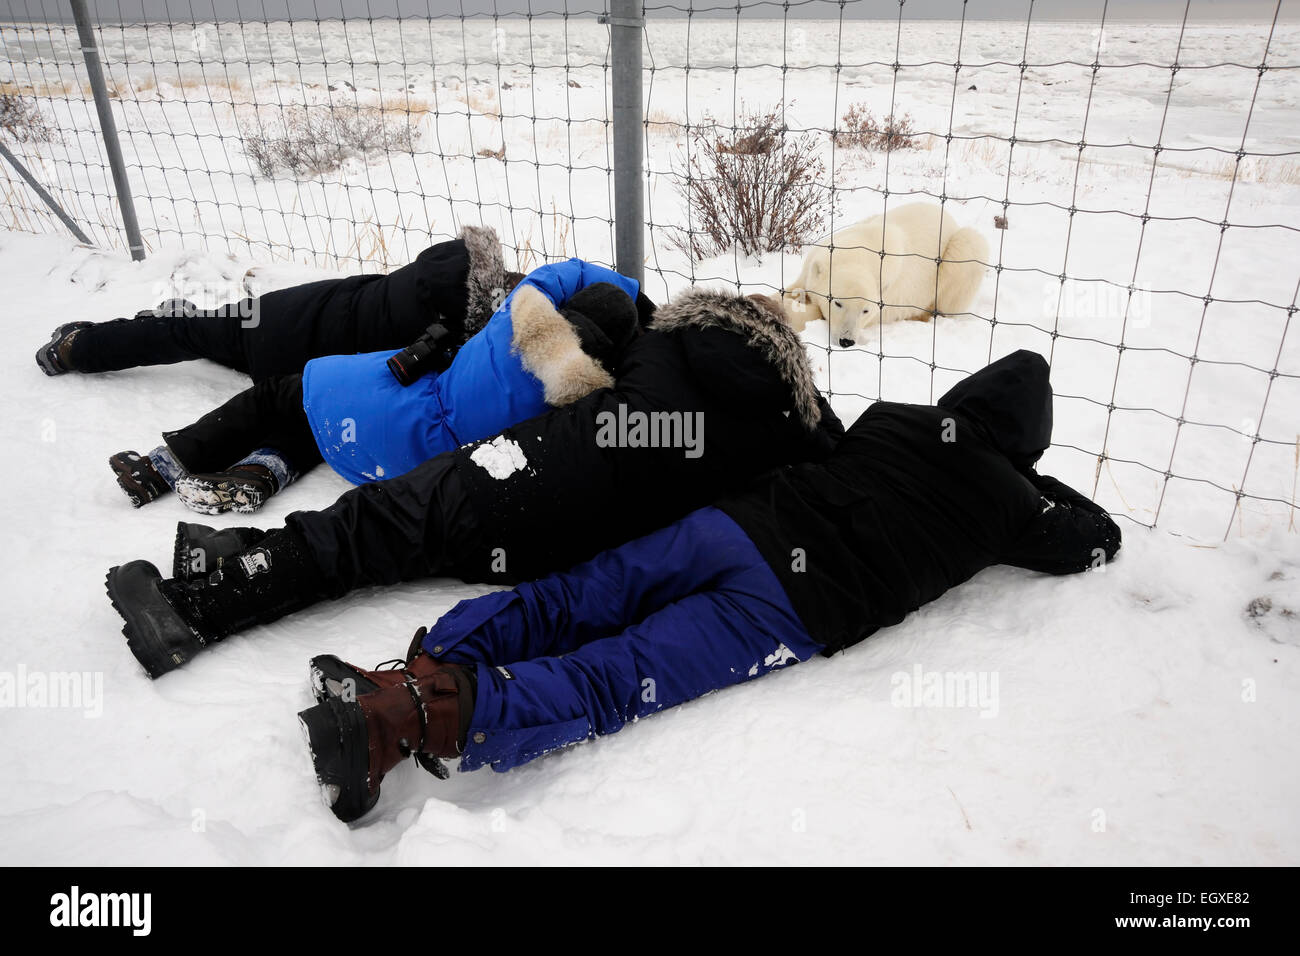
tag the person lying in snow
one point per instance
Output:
(354, 413)
(718, 391)
(811, 559)
(458, 283)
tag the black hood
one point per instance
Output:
(734, 372)
(1012, 399)
(744, 351)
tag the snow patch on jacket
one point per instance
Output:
(500, 457)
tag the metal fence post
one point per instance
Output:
(626, 26)
(44, 195)
(108, 128)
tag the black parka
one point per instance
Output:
(559, 488)
(736, 369)
(917, 499)
(458, 283)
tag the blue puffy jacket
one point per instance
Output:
(526, 359)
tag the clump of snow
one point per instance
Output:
(501, 457)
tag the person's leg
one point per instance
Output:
(267, 415)
(260, 437)
(723, 622)
(419, 525)
(161, 339)
(560, 612)
(167, 622)
(267, 426)
(739, 629)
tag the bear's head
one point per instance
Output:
(844, 288)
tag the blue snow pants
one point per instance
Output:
(663, 619)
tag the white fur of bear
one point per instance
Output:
(849, 285)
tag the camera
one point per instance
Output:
(424, 355)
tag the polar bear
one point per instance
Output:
(847, 282)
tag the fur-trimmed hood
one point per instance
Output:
(549, 348)
(761, 329)
(485, 284)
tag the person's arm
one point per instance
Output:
(830, 423)
(823, 439)
(1070, 534)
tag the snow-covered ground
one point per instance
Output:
(1136, 715)
(1145, 714)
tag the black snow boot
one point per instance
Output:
(200, 550)
(52, 357)
(137, 476)
(275, 577)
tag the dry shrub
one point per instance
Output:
(859, 129)
(309, 141)
(23, 120)
(485, 102)
(756, 189)
(662, 123)
(406, 104)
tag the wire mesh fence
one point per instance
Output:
(1136, 185)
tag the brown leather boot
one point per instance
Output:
(354, 743)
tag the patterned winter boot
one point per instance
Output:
(242, 488)
(138, 477)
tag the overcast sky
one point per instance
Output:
(188, 10)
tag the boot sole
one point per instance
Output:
(48, 364)
(156, 655)
(215, 496)
(43, 358)
(138, 494)
(336, 738)
(328, 674)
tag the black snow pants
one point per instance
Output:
(419, 525)
(268, 415)
(280, 332)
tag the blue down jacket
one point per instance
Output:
(526, 359)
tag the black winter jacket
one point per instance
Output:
(458, 282)
(559, 488)
(917, 499)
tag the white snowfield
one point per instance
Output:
(1144, 713)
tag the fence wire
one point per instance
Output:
(1137, 184)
